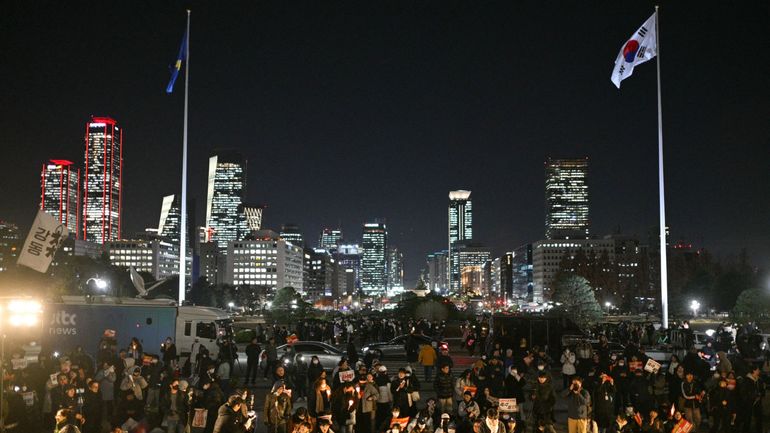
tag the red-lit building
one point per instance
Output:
(60, 193)
(102, 181)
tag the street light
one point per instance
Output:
(608, 305)
(18, 313)
(694, 305)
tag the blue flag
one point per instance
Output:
(178, 65)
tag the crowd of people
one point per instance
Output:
(508, 387)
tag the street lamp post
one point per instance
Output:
(609, 306)
(19, 313)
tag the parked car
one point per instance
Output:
(396, 348)
(329, 355)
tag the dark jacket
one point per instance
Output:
(444, 385)
(252, 353)
(577, 403)
(228, 421)
(691, 394)
(544, 398)
(604, 404)
(182, 406)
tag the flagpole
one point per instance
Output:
(183, 222)
(661, 190)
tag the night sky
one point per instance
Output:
(350, 111)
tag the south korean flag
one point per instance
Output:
(642, 46)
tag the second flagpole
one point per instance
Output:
(661, 189)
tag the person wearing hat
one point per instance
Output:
(134, 382)
(385, 397)
(174, 407)
(277, 409)
(443, 424)
(468, 410)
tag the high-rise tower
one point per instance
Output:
(103, 181)
(60, 193)
(566, 198)
(225, 220)
(460, 229)
(374, 275)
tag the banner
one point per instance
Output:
(508, 405)
(44, 238)
(682, 426)
(652, 366)
(472, 389)
(199, 419)
(347, 376)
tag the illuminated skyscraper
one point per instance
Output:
(348, 256)
(225, 220)
(330, 239)
(460, 229)
(395, 270)
(374, 275)
(170, 219)
(566, 198)
(252, 215)
(60, 193)
(103, 181)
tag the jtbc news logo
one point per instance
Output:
(63, 323)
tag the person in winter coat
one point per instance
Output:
(492, 423)
(314, 370)
(463, 383)
(385, 399)
(722, 404)
(639, 389)
(277, 409)
(320, 398)
(567, 366)
(134, 382)
(578, 406)
(604, 403)
(344, 404)
(229, 419)
(723, 364)
(653, 423)
(620, 425)
(468, 410)
(412, 348)
(369, 394)
(174, 408)
(749, 402)
(106, 377)
(544, 400)
(692, 393)
(444, 387)
(427, 358)
(400, 388)
(92, 409)
(252, 361)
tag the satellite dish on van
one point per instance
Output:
(139, 284)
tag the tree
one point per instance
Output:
(577, 299)
(751, 304)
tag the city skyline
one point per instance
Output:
(414, 111)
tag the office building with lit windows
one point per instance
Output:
(10, 245)
(330, 239)
(102, 181)
(225, 221)
(566, 198)
(437, 273)
(170, 219)
(395, 271)
(374, 259)
(60, 193)
(265, 261)
(460, 229)
(154, 256)
(292, 233)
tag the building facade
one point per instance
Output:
(102, 181)
(225, 221)
(460, 229)
(267, 261)
(374, 265)
(522, 285)
(437, 273)
(348, 257)
(395, 270)
(60, 193)
(170, 219)
(156, 257)
(211, 263)
(330, 239)
(566, 199)
(10, 245)
(549, 257)
(321, 277)
(292, 233)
